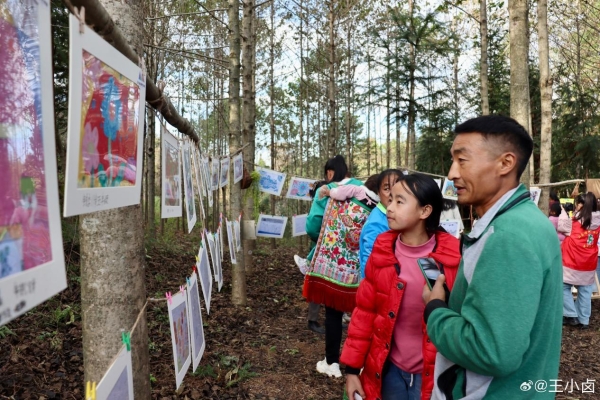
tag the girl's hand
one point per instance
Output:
(323, 192)
(353, 385)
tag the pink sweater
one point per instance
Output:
(554, 221)
(407, 353)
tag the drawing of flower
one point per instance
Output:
(89, 148)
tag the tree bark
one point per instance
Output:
(238, 273)
(412, 112)
(519, 69)
(272, 104)
(113, 289)
(333, 131)
(249, 114)
(546, 100)
(483, 73)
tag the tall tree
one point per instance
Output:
(112, 295)
(333, 128)
(483, 74)
(546, 103)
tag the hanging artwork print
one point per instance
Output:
(271, 226)
(171, 176)
(197, 175)
(299, 188)
(270, 182)
(535, 193)
(117, 383)
(237, 233)
(210, 240)
(196, 329)
(106, 124)
(231, 242)
(215, 173)
(180, 337)
(224, 172)
(299, 225)
(238, 168)
(219, 261)
(203, 268)
(188, 185)
(449, 190)
(31, 255)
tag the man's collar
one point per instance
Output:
(487, 218)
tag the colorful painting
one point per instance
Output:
(188, 185)
(31, 255)
(171, 176)
(196, 328)
(105, 133)
(238, 168)
(299, 188)
(203, 267)
(225, 162)
(299, 225)
(270, 182)
(117, 383)
(271, 226)
(449, 190)
(180, 336)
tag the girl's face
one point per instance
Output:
(578, 206)
(330, 174)
(385, 190)
(404, 212)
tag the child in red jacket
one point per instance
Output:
(386, 336)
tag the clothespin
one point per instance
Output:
(169, 297)
(90, 391)
(80, 14)
(182, 288)
(187, 278)
(126, 337)
(194, 269)
(197, 258)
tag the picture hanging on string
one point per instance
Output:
(452, 226)
(224, 180)
(219, 260)
(270, 181)
(206, 171)
(535, 193)
(188, 184)
(231, 242)
(32, 267)
(210, 240)
(171, 176)
(216, 164)
(449, 190)
(117, 382)
(299, 225)
(238, 167)
(203, 268)
(180, 337)
(107, 95)
(198, 179)
(196, 328)
(271, 226)
(299, 188)
(238, 234)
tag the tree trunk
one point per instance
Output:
(546, 103)
(272, 104)
(113, 288)
(369, 115)
(238, 273)
(333, 134)
(412, 117)
(151, 159)
(248, 132)
(519, 70)
(483, 73)
(348, 99)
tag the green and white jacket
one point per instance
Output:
(501, 331)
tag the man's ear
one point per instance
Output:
(508, 163)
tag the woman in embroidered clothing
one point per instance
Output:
(580, 257)
(387, 336)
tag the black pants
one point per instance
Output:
(333, 334)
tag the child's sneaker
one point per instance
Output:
(301, 263)
(346, 318)
(332, 370)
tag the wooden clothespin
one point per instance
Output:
(80, 14)
(90, 391)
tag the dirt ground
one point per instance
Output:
(262, 351)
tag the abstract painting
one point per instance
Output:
(106, 124)
(238, 168)
(196, 328)
(190, 204)
(299, 225)
(117, 382)
(31, 254)
(271, 226)
(180, 336)
(299, 188)
(224, 172)
(171, 176)
(270, 182)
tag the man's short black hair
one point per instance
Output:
(507, 130)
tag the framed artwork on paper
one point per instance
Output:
(238, 234)
(195, 318)
(180, 337)
(210, 240)
(299, 225)
(216, 164)
(32, 265)
(231, 242)
(238, 167)
(207, 173)
(188, 185)
(224, 180)
(219, 260)
(271, 226)
(197, 175)
(535, 193)
(299, 188)
(117, 383)
(204, 273)
(270, 181)
(449, 190)
(106, 125)
(171, 176)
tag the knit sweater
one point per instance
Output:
(503, 324)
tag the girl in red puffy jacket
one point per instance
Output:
(386, 337)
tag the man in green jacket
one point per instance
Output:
(499, 335)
